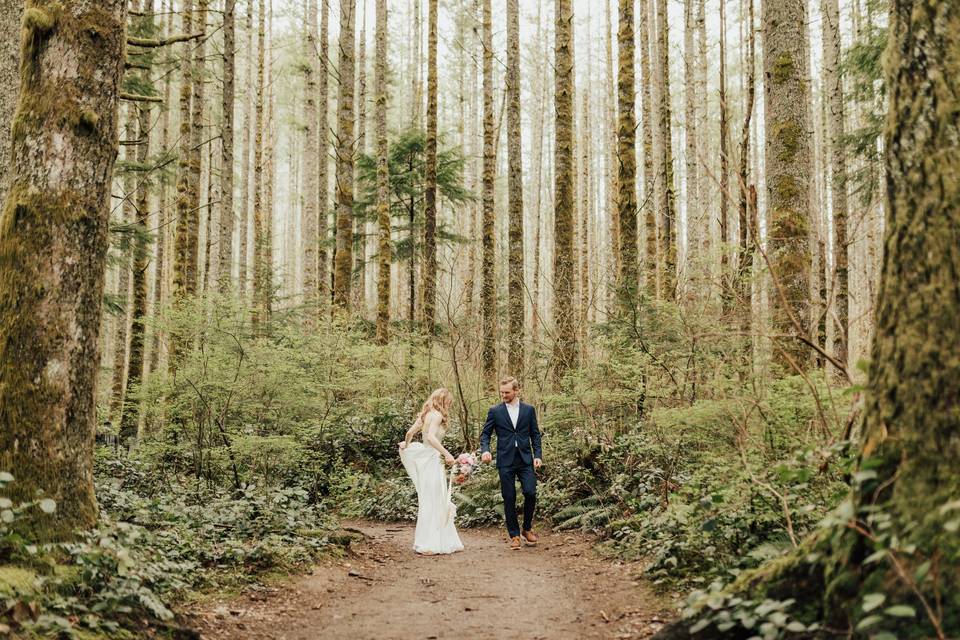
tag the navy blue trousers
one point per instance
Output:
(508, 489)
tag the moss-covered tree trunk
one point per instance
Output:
(323, 137)
(430, 177)
(10, 11)
(895, 538)
(311, 168)
(262, 265)
(726, 277)
(243, 241)
(488, 290)
(627, 160)
(565, 346)
(517, 289)
(384, 248)
(668, 207)
(53, 246)
(343, 259)
(124, 256)
(787, 170)
(138, 309)
(646, 105)
(227, 213)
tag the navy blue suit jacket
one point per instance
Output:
(512, 442)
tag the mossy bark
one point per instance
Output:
(227, 213)
(430, 178)
(384, 248)
(53, 245)
(668, 204)
(323, 137)
(343, 259)
(565, 346)
(517, 289)
(788, 169)
(628, 281)
(10, 11)
(311, 169)
(910, 450)
(646, 102)
(262, 265)
(488, 291)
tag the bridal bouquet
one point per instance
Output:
(464, 467)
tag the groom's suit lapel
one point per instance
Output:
(505, 413)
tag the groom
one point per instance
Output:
(516, 427)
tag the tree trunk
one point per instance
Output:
(726, 275)
(245, 165)
(311, 170)
(788, 171)
(188, 195)
(343, 259)
(565, 347)
(323, 130)
(262, 270)
(830, 19)
(668, 242)
(693, 261)
(748, 194)
(430, 177)
(53, 247)
(359, 300)
(488, 291)
(384, 248)
(227, 214)
(10, 11)
(517, 290)
(135, 368)
(627, 160)
(125, 253)
(649, 211)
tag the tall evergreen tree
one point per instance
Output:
(517, 289)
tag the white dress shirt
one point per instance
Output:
(513, 410)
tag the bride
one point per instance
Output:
(436, 532)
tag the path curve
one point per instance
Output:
(383, 591)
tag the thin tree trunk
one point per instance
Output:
(227, 214)
(311, 169)
(726, 276)
(668, 243)
(384, 248)
(261, 245)
(830, 19)
(323, 138)
(245, 165)
(565, 347)
(53, 247)
(343, 259)
(629, 284)
(649, 215)
(488, 290)
(188, 195)
(123, 276)
(517, 289)
(430, 177)
(748, 194)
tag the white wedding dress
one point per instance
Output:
(436, 531)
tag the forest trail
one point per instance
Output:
(382, 590)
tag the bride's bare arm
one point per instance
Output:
(412, 431)
(430, 436)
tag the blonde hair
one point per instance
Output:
(440, 401)
(511, 381)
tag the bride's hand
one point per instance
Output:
(402, 445)
(449, 459)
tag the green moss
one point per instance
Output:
(16, 581)
(38, 21)
(783, 68)
(787, 134)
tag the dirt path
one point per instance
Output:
(384, 591)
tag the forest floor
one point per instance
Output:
(381, 589)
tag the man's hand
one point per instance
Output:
(537, 463)
(486, 457)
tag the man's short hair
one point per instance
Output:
(511, 381)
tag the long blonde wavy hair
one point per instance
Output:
(440, 400)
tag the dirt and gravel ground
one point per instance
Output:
(383, 591)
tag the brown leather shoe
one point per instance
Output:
(530, 538)
(515, 543)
